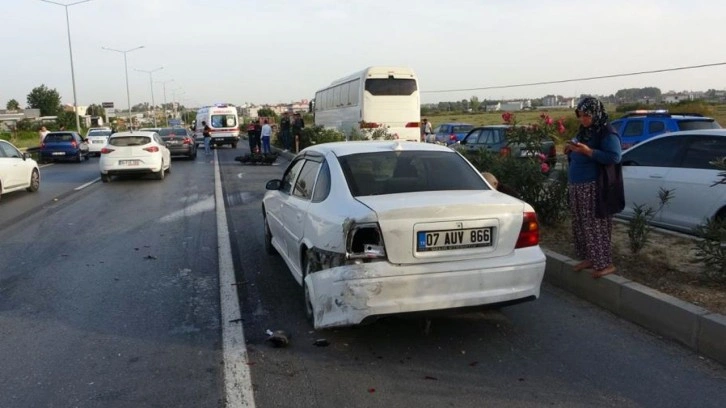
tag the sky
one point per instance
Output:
(273, 51)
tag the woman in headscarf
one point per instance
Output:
(596, 144)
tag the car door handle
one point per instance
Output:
(656, 176)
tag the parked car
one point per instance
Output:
(639, 125)
(64, 146)
(134, 153)
(493, 138)
(17, 170)
(679, 162)
(96, 138)
(362, 228)
(179, 141)
(449, 133)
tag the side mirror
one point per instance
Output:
(26, 156)
(463, 141)
(273, 184)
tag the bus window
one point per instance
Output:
(390, 86)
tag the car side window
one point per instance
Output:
(702, 150)
(290, 175)
(306, 180)
(473, 137)
(7, 150)
(657, 153)
(487, 137)
(655, 127)
(617, 125)
(633, 128)
(322, 185)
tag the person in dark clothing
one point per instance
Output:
(596, 144)
(285, 134)
(297, 126)
(251, 136)
(258, 137)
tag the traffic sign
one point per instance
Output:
(107, 104)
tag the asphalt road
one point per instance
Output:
(109, 297)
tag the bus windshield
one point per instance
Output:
(390, 86)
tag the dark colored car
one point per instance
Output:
(450, 133)
(179, 141)
(63, 145)
(494, 139)
(639, 125)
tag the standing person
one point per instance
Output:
(41, 134)
(285, 131)
(207, 133)
(426, 132)
(596, 144)
(251, 136)
(266, 133)
(258, 134)
(297, 127)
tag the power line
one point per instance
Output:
(578, 79)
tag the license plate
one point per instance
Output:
(97, 141)
(59, 153)
(128, 162)
(454, 239)
(527, 153)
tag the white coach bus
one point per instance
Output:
(375, 97)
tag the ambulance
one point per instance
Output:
(223, 121)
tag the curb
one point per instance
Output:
(688, 324)
(691, 325)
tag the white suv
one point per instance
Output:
(97, 138)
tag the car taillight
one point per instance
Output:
(452, 137)
(187, 141)
(412, 124)
(369, 125)
(505, 151)
(106, 150)
(74, 144)
(151, 149)
(529, 234)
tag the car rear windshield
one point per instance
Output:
(99, 133)
(698, 124)
(58, 137)
(461, 128)
(129, 141)
(405, 172)
(173, 131)
(390, 86)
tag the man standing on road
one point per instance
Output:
(426, 133)
(297, 127)
(285, 131)
(266, 133)
(41, 135)
(207, 133)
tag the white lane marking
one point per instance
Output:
(237, 379)
(87, 184)
(199, 207)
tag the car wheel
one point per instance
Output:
(105, 178)
(160, 174)
(234, 145)
(1, 191)
(34, 181)
(308, 269)
(268, 240)
(79, 157)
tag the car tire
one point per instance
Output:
(269, 248)
(34, 181)
(234, 145)
(79, 157)
(308, 305)
(161, 173)
(105, 178)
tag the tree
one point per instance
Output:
(12, 105)
(266, 113)
(47, 100)
(474, 103)
(66, 120)
(94, 110)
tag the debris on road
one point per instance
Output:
(278, 338)
(321, 343)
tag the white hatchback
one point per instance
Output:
(378, 228)
(97, 139)
(134, 153)
(17, 170)
(682, 163)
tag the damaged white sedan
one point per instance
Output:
(371, 229)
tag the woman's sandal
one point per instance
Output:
(582, 265)
(604, 271)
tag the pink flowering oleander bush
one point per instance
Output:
(531, 177)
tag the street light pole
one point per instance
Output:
(70, 51)
(166, 117)
(126, 69)
(151, 83)
(174, 93)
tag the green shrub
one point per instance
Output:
(711, 250)
(639, 226)
(317, 135)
